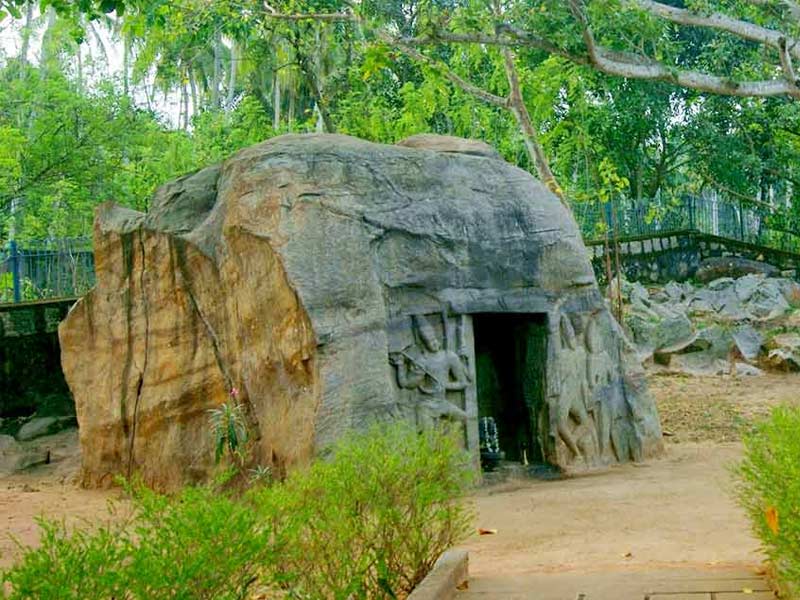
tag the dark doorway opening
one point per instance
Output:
(510, 361)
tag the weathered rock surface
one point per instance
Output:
(41, 426)
(310, 272)
(784, 351)
(450, 144)
(732, 266)
(10, 452)
(729, 320)
(14, 457)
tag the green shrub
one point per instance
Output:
(370, 521)
(769, 489)
(367, 522)
(198, 545)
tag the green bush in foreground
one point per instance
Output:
(769, 489)
(196, 545)
(368, 522)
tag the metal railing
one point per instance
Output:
(757, 224)
(64, 268)
(46, 269)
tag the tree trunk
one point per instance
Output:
(47, 42)
(217, 74)
(231, 77)
(290, 111)
(79, 58)
(276, 101)
(309, 69)
(316, 92)
(535, 151)
(126, 57)
(193, 89)
(185, 103)
(26, 38)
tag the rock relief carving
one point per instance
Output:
(577, 414)
(432, 370)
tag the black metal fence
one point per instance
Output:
(63, 268)
(758, 224)
(45, 269)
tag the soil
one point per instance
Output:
(718, 409)
(672, 522)
(677, 510)
(50, 491)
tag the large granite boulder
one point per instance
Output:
(334, 282)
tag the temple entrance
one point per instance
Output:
(510, 361)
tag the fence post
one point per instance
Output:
(607, 211)
(15, 272)
(691, 213)
(741, 220)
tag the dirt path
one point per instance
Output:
(669, 525)
(674, 511)
(49, 491)
(632, 527)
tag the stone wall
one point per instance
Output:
(676, 256)
(31, 379)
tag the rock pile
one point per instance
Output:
(730, 323)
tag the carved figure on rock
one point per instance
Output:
(433, 371)
(599, 366)
(574, 425)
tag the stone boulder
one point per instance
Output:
(335, 282)
(748, 341)
(784, 352)
(732, 266)
(42, 426)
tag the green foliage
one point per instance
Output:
(367, 522)
(28, 290)
(68, 142)
(229, 429)
(370, 521)
(769, 486)
(197, 545)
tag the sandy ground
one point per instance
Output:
(718, 409)
(671, 524)
(50, 491)
(674, 512)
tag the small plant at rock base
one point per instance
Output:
(229, 428)
(260, 475)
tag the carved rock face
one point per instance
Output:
(307, 272)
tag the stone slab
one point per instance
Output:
(744, 596)
(721, 583)
(449, 573)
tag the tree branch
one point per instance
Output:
(446, 72)
(720, 22)
(634, 66)
(788, 68)
(516, 104)
(793, 8)
(506, 36)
